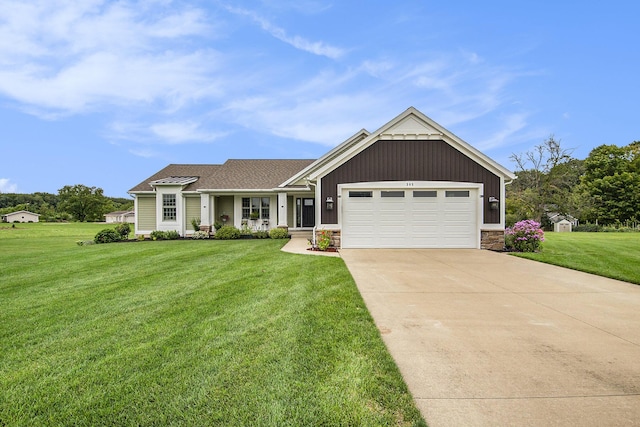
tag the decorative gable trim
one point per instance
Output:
(410, 125)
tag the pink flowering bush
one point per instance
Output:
(524, 236)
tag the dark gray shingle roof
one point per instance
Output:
(233, 174)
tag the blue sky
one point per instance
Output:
(106, 93)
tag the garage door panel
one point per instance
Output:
(436, 218)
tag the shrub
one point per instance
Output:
(524, 236)
(165, 235)
(591, 228)
(107, 236)
(123, 230)
(279, 233)
(217, 225)
(195, 223)
(227, 232)
(198, 235)
(172, 235)
(261, 234)
(324, 240)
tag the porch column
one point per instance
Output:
(282, 209)
(205, 209)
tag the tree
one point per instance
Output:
(546, 177)
(84, 203)
(612, 182)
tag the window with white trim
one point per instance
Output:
(392, 193)
(456, 193)
(169, 209)
(425, 193)
(259, 205)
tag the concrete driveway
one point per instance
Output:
(488, 339)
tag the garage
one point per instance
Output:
(410, 217)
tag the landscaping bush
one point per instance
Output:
(261, 234)
(279, 233)
(195, 223)
(165, 235)
(524, 236)
(324, 240)
(227, 232)
(123, 230)
(199, 235)
(107, 235)
(590, 228)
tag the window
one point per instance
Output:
(360, 193)
(246, 207)
(392, 193)
(423, 193)
(454, 193)
(258, 206)
(169, 207)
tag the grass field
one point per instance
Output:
(615, 255)
(228, 333)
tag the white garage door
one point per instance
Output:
(409, 218)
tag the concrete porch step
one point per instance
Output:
(302, 234)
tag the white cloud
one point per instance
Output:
(315, 47)
(182, 132)
(509, 127)
(59, 57)
(6, 186)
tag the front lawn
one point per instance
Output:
(229, 333)
(614, 255)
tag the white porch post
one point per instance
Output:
(282, 209)
(205, 209)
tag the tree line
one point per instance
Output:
(72, 203)
(604, 188)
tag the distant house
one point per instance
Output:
(21, 216)
(409, 184)
(120, 216)
(555, 217)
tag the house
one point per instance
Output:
(120, 217)
(409, 184)
(21, 216)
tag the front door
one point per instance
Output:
(306, 208)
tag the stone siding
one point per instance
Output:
(492, 240)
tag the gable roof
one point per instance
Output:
(411, 124)
(237, 174)
(176, 170)
(234, 174)
(21, 212)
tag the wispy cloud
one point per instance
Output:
(508, 128)
(6, 186)
(139, 136)
(59, 57)
(315, 47)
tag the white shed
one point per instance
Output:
(562, 226)
(21, 216)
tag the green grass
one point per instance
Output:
(614, 255)
(229, 333)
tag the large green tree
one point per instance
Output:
(612, 183)
(84, 203)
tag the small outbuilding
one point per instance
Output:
(21, 216)
(120, 217)
(563, 226)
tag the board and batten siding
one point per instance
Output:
(146, 213)
(410, 160)
(192, 210)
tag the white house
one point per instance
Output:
(21, 216)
